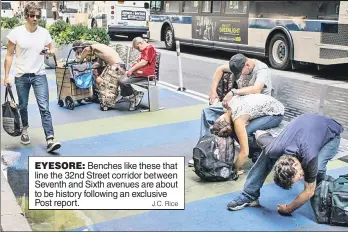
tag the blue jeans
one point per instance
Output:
(40, 87)
(264, 165)
(211, 114)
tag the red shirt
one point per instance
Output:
(148, 54)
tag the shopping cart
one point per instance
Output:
(69, 84)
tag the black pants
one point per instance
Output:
(125, 85)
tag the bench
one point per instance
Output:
(129, 56)
(301, 97)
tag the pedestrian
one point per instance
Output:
(28, 42)
(54, 11)
(301, 151)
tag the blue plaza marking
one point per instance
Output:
(111, 144)
(91, 111)
(211, 214)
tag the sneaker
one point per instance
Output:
(135, 100)
(241, 202)
(138, 98)
(25, 139)
(132, 104)
(52, 145)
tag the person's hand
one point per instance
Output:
(50, 52)
(129, 73)
(212, 96)
(7, 81)
(284, 210)
(227, 99)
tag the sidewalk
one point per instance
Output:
(88, 131)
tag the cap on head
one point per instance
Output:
(237, 63)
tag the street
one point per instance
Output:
(199, 65)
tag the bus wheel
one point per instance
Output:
(279, 52)
(169, 39)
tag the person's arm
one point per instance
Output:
(258, 86)
(310, 175)
(216, 79)
(218, 75)
(140, 64)
(8, 60)
(239, 127)
(301, 199)
(85, 53)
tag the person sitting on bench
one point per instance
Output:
(301, 151)
(241, 111)
(145, 66)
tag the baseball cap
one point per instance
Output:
(237, 63)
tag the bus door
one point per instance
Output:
(129, 13)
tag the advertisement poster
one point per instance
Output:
(216, 28)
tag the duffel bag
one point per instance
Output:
(330, 201)
(11, 118)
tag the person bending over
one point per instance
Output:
(301, 151)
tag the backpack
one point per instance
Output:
(330, 201)
(11, 118)
(226, 84)
(213, 158)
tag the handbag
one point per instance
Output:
(11, 118)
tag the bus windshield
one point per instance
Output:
(6, 6)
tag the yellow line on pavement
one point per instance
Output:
(84, 129)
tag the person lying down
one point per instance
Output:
(244, 116)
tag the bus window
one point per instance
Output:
(190, 7)
(172, 6)
(156, 6)
(216, 6)
(206, 7)
(236, 7)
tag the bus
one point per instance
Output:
(130, 18)
(7, 9)
(286, 32)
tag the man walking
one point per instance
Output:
(301, 151)
(29, 42)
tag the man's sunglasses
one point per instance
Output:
(33, 15)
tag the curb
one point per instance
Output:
(12, 218)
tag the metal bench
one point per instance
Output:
(129, 56)
(301, 97)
